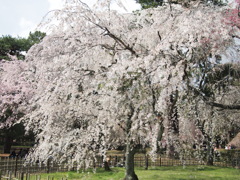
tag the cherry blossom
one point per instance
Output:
(107, 79)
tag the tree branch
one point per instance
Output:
(215, 104)
(224, 106)
(117, 39)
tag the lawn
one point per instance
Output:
(165, 173)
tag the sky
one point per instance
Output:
(19, 17)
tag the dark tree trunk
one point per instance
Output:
(129, 164)
(130, 150)
(210, 152)
(106, 166)
(8, 141)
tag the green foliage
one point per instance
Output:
(149, 3)
(18, 46)
(12, 46)
(35, 38)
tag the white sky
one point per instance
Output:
(19, 17)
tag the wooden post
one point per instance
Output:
(110, 161)
(0, 174)
(7, 163)
(146, 162)
(22, 176)
(27, 176)
(16, 167)
(10, 175)
(48, 166)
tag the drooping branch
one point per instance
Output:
(224, 106)
(215, 104)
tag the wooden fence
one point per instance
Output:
(16, 167)
(25, 176)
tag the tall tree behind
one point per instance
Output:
(149, 3)
(14, 92)
(18, 46)
(154, 3)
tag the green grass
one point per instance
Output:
(165, 173)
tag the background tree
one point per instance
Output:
(14, 90)
(150, 3)
(18, 46)
(12, 46)
(14, 93)
(100, 82)
(154, 3)
(34, 38)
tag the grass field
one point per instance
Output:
(165, 173)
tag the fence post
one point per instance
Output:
(48, 166)
(16, 167)
(7, 163)
(10, 175)
(22, 176)
(146, 162)
(116, 161)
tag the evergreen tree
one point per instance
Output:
(150, 3)
(18, 46)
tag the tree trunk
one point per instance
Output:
(8, 141)
(106, 166)
(209, 154)
(129, 164)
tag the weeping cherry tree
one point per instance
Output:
(105, 79)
